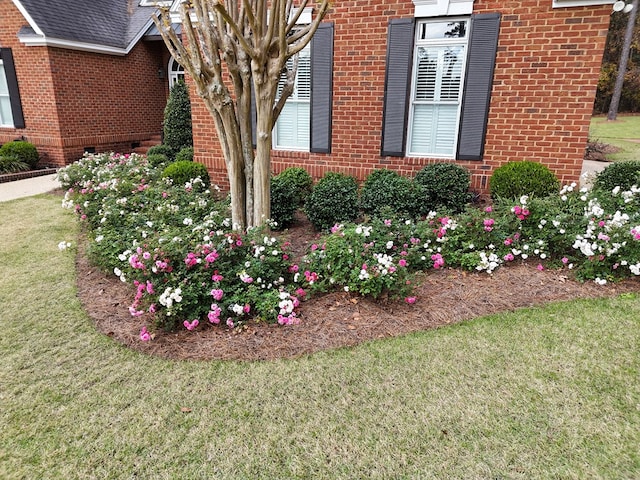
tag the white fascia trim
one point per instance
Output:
(42, 41)
(580, 3)
(28, 18)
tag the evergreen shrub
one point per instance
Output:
(184, 171)
(177, 118)
(618, 174)
(334, 199)
(515, 179)
(443, 186)
(20, 150)
(387, 190)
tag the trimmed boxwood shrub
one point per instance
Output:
(22, 151)
(334, 199)
(182, 172)
(299, 180)
(514, 179)
(619, 174)
(161, 150)
(177, 118)
(387, 190)
(156, 159)
(443, 186)
(283, 203)
(185, 154)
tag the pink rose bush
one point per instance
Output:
(189, 270)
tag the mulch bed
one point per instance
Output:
(337, 319)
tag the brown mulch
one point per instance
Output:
(337, 319)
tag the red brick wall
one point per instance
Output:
(73, 99)
(546, 75)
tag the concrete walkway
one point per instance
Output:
(28, 187)
(46, 183)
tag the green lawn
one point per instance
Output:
(619, 133)
(542, 393)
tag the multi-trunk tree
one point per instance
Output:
(234, 50)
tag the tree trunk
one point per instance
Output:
(624, 59)
(262, 162)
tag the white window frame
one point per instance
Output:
(580, 3)
(412, 100)
(294, 100)
(174, 74)
(6, 122)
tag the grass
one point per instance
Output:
(541, 393)
(620, 134)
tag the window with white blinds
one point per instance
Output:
(292, 129)
(439, 59)
(6, 119)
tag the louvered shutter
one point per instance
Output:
(396, 86)
(481, 60)
(321, 88)
(12, 87)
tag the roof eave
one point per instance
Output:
(28, 17)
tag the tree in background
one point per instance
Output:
(230, 48)
(177, 118)
(630, 94)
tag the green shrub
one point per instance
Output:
(156, 159)
(182, 172)
(161, 150)
(298, 180)
(12, 165)
(385, 190)
(185, 154)
(443, 186)
(619, 174)
(334, 199)
(177, 118)
(284, 202)
(23, 151)
(514, 179)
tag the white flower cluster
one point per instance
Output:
(64, 245)
(169, 296)
(488, 262)
(364, 230)
(285, 305)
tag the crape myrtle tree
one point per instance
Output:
(233, 50)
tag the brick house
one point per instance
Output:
(78, 76)
(399, 84)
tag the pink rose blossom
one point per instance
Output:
(144, 335)
(410, 300)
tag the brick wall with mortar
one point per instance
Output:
(547, 69)
(73, 99)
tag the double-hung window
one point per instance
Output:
(292, 129)
(6, 118)
(436, 92)
(438, 86)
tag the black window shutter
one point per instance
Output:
(321, 88)
(12, 84)
(481, 62)
(396, 86)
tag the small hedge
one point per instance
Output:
(443, 186)
(284, 203)
(334, 199)
(514, 179)
(161, 150)
(186, 154)
(619, 174)
(183, 172)
(157, 159)
(22, 151)
(387, 190)
(298, 180)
